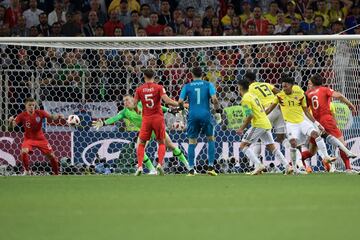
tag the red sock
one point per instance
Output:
(140, 152)
(54, 165)
(305, 155)
(161, 153)
(25, 160)
(345, 159)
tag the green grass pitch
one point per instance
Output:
(318, 206)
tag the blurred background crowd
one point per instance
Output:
(177, 17)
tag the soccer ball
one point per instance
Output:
(73, 120)
(178, 126)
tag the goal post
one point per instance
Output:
(90, 76)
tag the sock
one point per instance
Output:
(211, 152)
(337, 143)
(191, 155)
(161, 153)
(256, 147)
(280, 156)
(140, 154)
(180, 155)
(307, 163)
(321, 146)
(293, 153)
(286, 143)
(345, 159)
(54, 165)
(148, 163)
(25, 160)
(251, 156)
(305, 155)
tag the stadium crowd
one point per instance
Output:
(176, 17)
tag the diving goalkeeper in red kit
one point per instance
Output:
(34, 137)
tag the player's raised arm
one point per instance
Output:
(13, 122)
(343, 99)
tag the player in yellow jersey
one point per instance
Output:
(293, 106)
(260, 129)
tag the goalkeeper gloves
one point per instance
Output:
(218, 118)
(173, 111)
(98, 124)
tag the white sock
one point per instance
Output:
(286, 143)
(277, 153)
(293, 157)
(337, 143)
(308, 162)
(322, 147)
(256, 147)
(251, 156)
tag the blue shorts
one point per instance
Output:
(195, 126)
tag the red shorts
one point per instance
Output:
(329, 123)
(148, 125)
(42, 145)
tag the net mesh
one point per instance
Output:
(90, 79)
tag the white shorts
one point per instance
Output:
(300, 131)
(254, 134)
(277, 120)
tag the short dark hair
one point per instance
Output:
(29, 99)
(134, 11)
(197, 72)
(319, 16)
(244, 84)
(149, 73)
(317, 80)
(250, 76)
(287, 79)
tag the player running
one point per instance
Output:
(135, 119)
(319, 98)
(260, 129)
(198, 93)
(293, 106)
(32, 119)
(150, 94)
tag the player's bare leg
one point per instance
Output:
(176, 151)
(140, 151)
(161, 155)
(54, 163)
(147, 161)
(344, 152)
(259, 167)
(24, 156)
(211, 156)
(277, 153)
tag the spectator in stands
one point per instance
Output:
(189, 32)
(89, 28)
(131, 28)
(190, 14)
(207, 31)
(165, 17)
(141, 32)
(12, 13)
(338, 13)
(260, 22)
(179, 23)
(58, 14)
(96, 7)
(168, 31)
(154, 29)
(144, 19)
(230, 12)
(290, 13)
(281, 27)
(323, 11)
(270, 29)
(44, 77)
(271, 16)
(294, 27)
(124, 13)
(69, 6)
(43, 27)
(308, 23)
(20, 30)
(34, 32)
(99, 31)
(337, 27)
(197, 26)
(246, 12)
(112, 23)
(351, 20)
(118, 32)
(73, 26)
(153, 4)
(32, 14)
(209, 14)
(5, 30)
(132, 5)
(2, 14)
(228, 31)
(56, 29)
(319, 26)
(236, 25)
(216, 28)
(200, 6)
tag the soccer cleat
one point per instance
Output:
(308, 169)
(153, 172)
(211, 171)
(139, 171)
(27, 173)
(160, 170)
(352, 155)
(327, 165)
(289, 170)
(258, 170)
(329, 159)
(351, 171)
(191, 173)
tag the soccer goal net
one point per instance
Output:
(90, 77)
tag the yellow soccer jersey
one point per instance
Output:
(292, 105)
(252, 105)
(264, 92)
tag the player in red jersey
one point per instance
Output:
(150, 94)
(319, 98)
(34, 137)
